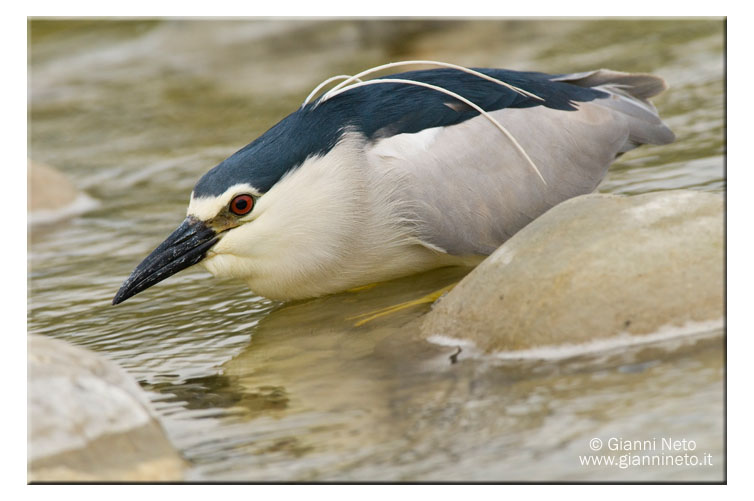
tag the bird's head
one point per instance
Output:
(272, 217)
(209, 221)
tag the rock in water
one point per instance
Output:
(89, 420)
(590, 268)
(47, 188)
(51, 197)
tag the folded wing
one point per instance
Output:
(472, 189)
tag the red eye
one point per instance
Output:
(241, 205)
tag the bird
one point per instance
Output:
(380, 177)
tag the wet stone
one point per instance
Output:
(89, 420)
(48, 188)
(591, 268)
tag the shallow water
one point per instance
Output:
(251, 389)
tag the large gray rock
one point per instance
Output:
(89, 420)
(593, 267)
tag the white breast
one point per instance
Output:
(332, 224)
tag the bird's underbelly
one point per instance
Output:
(290, 278)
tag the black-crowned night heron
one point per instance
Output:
(387, 177)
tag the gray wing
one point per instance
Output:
(470, 189)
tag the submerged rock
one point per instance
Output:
(47, 188)
(51, 197)
(594, 267)
(89, 420)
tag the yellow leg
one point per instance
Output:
(363, 287)
(429, 298)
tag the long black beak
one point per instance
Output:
(186, 246)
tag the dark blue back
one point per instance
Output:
(379, 111)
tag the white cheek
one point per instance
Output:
(226, 266)
(245, 251)
(238, 241)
